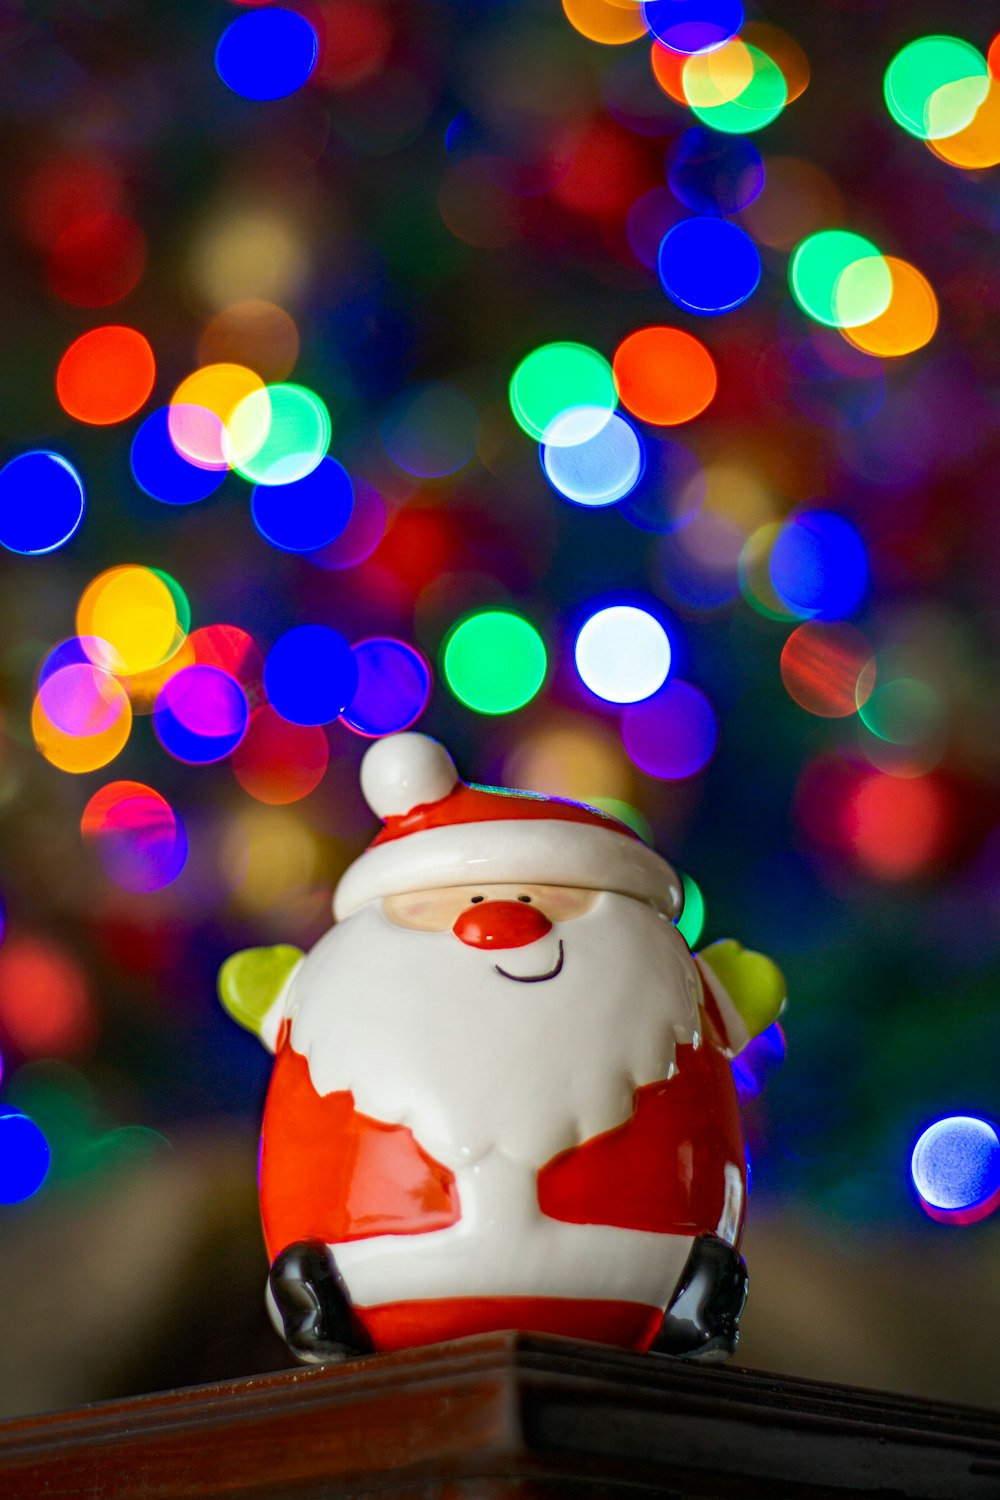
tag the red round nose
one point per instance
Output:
(501, 924)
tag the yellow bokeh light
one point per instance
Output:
(572, 758)
(268, 855)
(202, 405)
(143, 687)
(909, 321)
(737, 496)
(133, 611)
(607, 21)
(249, 253)
(714, 78)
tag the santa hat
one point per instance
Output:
(439, 831)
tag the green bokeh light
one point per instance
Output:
(182, 604)
(902, 711)
(494, 662)
(556, 377)
(934, 86)
(692, 918)
(840, 279)
(763, 99)
(279, 434)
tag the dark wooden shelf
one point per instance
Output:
(506, 1415)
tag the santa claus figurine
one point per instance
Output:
(502, 1094)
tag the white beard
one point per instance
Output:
(424, 1032)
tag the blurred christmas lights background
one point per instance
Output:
(608, 389)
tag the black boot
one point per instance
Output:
(703, 1319)
(319, 1321)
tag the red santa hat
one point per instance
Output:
(439, 831)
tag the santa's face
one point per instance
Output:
(512, 1017)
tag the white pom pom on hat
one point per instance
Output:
(404, 771)
(439, 831)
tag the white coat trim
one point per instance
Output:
(541, 851)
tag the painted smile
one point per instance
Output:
(534, 978)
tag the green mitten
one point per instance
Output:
(753, 982)
(253, 979)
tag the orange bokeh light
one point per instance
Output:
(909, 321)
(105, 375)
(782, 49)
(605, 21)
(664, 375)
(978, 145)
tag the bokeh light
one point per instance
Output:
(132, 610)
(138, 838)
(664, 375)
(691, 921)
(164, 472)
(574, 756)
(394, 687)
(840, 278)
(81, 718)
(277, 761)
(670, 490)
(934, 86)
(310, 674)
(556, 378)
(254, 333)
(673, 734)
(431, 431)
(268, 54)
(362, 534)
(736, 90)
(902, 710)
(897, 828)
(598, 470)
(232, 650)
(708, 265)
(783, 50)
(955, 1167)
(41, 502)
(200, 714)
(46, 1007)
(691, 26)
(819, 565)
(279, 434)
(909, 321)
(105, 375)
(611, 22)
(203, 404)
(307, 514)
(758, 1060)
(96, 259)
(828, 669)
(977, 146)
(622, 654)
(712, 173)
(798, 199)
(494, 662)
(24, 1156)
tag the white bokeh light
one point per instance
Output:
(623, 654)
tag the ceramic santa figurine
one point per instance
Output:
(502, 1094)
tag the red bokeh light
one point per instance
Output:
(45, 1005)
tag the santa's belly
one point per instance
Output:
(591, 1245)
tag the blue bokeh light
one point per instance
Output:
(692, 26)
(200, 715)
(713, 173)
(310, 674)
(602, 468)
(267, 54)
(818, 566)
(955, 1167)
(707, 265)
(307, 514)
(394, 685)
(41, 502)
(163, 472)
(24, 1156)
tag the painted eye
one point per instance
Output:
(524, 898)
(477, 899)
